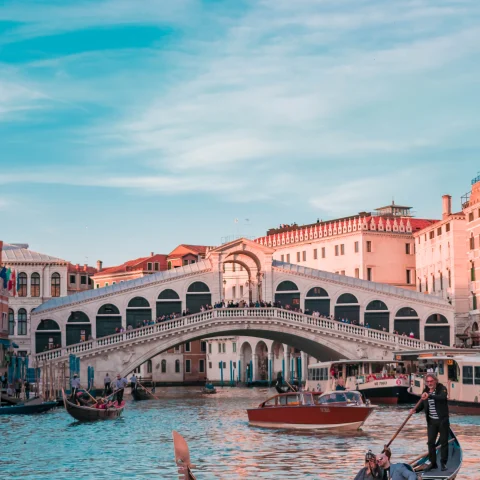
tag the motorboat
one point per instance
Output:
(343, 410)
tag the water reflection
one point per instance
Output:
(222, 444)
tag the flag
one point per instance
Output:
(3, 276)
(12, 285)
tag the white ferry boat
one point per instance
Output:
(458, 370)
(380, 381)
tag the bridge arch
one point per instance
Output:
(347, 307)
(138, 310)
(198, 295)
(377, 315)
(317, 299)
(287, 293)
(407, 321)
(437, 329)
(168, 302)
(108, 319)
(47, 336)
(78, 328)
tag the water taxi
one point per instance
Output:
(379, 380)
(458, 370)
(344, 410)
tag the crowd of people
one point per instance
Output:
(14, 388)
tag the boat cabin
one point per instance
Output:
(313, 398)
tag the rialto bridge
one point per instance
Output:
(68, 322)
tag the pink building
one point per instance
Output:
(4, 342)
(375, 246)
(441, 261)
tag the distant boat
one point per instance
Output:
(141, 394)
(26, 409)
(343, 410)
(455, 458)
(91, 414)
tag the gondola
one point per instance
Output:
(182, 457)
(209, 391)
(141, 394)
(455, 458)
(26, 409)
(91, 414)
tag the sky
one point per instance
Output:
(129, 127)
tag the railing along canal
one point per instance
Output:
(178, 324)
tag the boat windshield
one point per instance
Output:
(349, 397)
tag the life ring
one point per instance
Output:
(399, 382)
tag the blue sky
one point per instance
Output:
(132, 126)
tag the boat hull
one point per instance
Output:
(28, 409)
(310, 417)
(140, 394)
(391, 395)
(89, 414)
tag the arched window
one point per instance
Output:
(347, 298)
(177, 366)
(48, 324)
(22, 322)
(169, 265)
(22, 284)
(287, 286)
(436, 319)
(164, 366)
(108, 309)
(168, 294)
(11, 322)
(138, 302)
(317, 292)
(376, 305)
(407, 312)
(198, 287)
(149, 366)
(35, 285)
(55, 285)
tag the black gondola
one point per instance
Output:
(91, 414)
(141, 394)
(455, 458)
(26, 409)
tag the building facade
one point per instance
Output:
(79, 278)
(4, 341)
(377, 247)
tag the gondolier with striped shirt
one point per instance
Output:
(435, 405)
(120, 384)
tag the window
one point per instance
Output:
(210, 365)
(342, 272)
(35, 285)
(234, 347)
(431, 235)
(357, 273)
(201, 366)
(73, 279)
(149, 366)
(234, 267)
(441, 281)
(114, 283)
(219, 348)
(288, 258)
(188, 366)
(177, 366)
(169, 265)
(467, 375)
(188, 347)
(472, 242)
(342, 249)
(203, 347)
(336, 250)
(55, 285)
(83, 280)
(315, 254)
(477, 375)
(304, 256)
(409, 277)
(439, 231)
(369, 246)
(470, 217)
(22, 284)
(224, 365)
(97, 285)
(298, 256)
(472, 271)
(426, 284)
(323, 252)
(356, 247)
(22, 322)
(149, 266)
(224, 347)
(419, 284)
(369, 274)
(449, 278)
(407, 248)
(241, 291)
(106, 284)
(447, 227)
(11, 322)
(433, 283)
(164, 366)
(282, 258)
(474, 301)
(234, 293)
(177, 349)
(156, 266)
(209, 348)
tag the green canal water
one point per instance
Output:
(222, 444)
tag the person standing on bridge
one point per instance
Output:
(120, 384)
(107, 384)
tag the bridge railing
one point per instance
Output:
(180, 323)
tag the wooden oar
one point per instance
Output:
(149, 391)
(182, 457)
(289, 386)
(402, 425)
(413, 462)
(94, 399)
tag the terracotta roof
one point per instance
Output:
(81, 269)
(195, 249)
(134, 265)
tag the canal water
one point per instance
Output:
(222, 444)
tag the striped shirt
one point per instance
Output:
(432, 411)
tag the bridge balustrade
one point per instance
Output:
(178, 324)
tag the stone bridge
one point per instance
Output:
(319, 337)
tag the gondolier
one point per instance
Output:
(435, 405)
(107, 384)
(120, 384)
(75, 386)
(133, 382)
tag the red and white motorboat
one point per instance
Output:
(344, 410)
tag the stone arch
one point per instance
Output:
(277, 353)
(198, 295)
(437, 329)
(138, 311)
(108, 320)
(78, 328)
(377, 316)
(249, 283)
(246, 362)
(407, 321)
(347, 308)
(317, 300)
(474, 327)
(287, 293)
(47, 336)
(168, 302)
(261, 367)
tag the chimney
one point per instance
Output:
(446, 206)
(99, 265)
(152, 254)
(85, 266)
